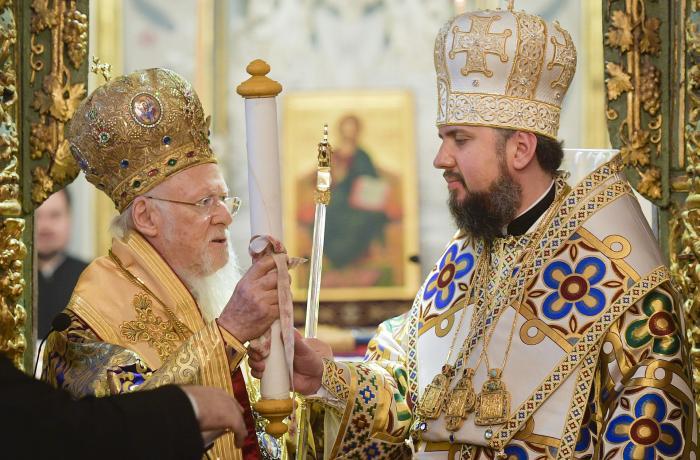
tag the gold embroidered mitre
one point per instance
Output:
(136, 130)
(504, 69)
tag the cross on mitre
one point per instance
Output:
(477, 42)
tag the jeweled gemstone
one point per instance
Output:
(104, 137)
(124, 164)
(152, 172)
(166, 140)
(493, 373)
(137, 184)
(172, 162)
(190, 154)
(488, 434)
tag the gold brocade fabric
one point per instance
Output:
(150, 328)
(598, 367)
(122, 339)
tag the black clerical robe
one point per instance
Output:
(40, 422)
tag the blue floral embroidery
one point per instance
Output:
(588, 429)
(514, 452)
(452, 267)
(645, 434)
(574, 288)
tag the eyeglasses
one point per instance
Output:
(207, 204)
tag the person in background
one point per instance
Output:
(58, 272)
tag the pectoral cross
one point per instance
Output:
(477, 42)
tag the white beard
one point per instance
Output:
(213, 292)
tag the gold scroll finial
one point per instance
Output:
(511, 5)
(103, 69)
(322, 194)
(259, 84)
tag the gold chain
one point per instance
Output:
(467, 301)
(529, 254)
(182, 330)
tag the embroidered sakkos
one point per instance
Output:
(135, 326)
(597, 362)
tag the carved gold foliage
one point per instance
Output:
(64, 167)
(650, 183)
(75, 36)
(636, 152)
(40, 139)
(9, 143)
(650, 41)
(619, 34)
(58, 98)
(619, 81)
(649, 90)
(44, 16)
(42, 184)
(636, 36)
(9, 188)
(692, 37)
(12, 314)
(684, 240)
(9, 140)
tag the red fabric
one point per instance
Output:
(250, 445)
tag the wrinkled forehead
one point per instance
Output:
(195, 182)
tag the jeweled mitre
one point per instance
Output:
(136, 130)
(504, 69)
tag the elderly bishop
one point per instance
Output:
(549, 327)
(161, 307)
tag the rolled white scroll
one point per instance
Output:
(266, 219)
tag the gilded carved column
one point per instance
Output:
(652, 64)
(13, 316)
(43, 73)
(685, 226)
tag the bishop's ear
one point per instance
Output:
(143, 217)
(525, 149)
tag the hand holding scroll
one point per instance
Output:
(308, 363)
(254, 303)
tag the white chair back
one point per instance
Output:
(581, 162)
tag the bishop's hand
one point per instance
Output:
(308, 363)
(216, 413)
(254, 304)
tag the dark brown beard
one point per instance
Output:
(485, 214)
